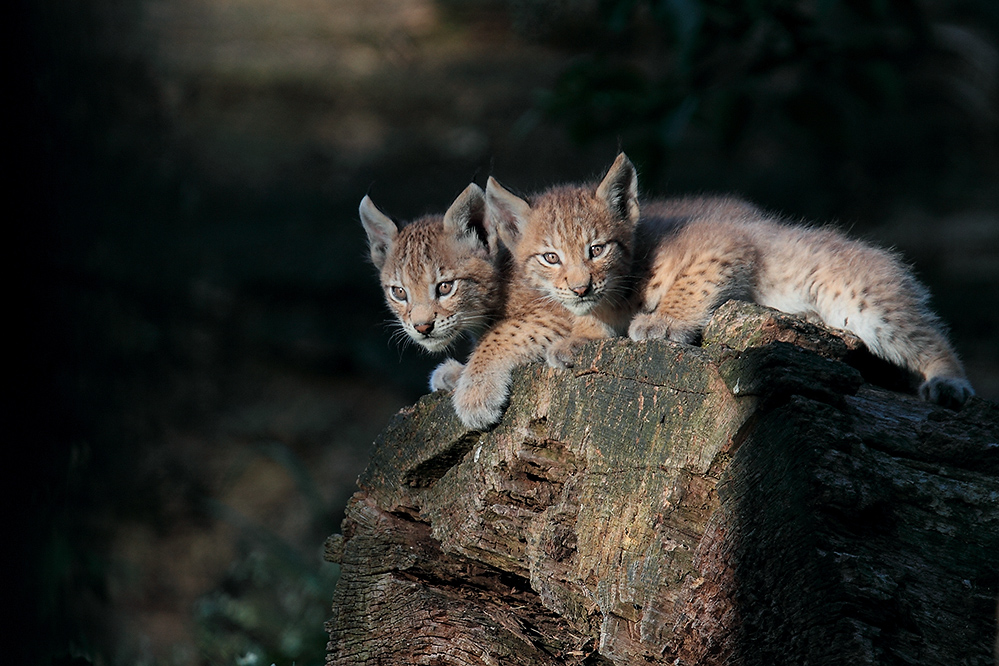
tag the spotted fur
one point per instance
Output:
(669, 268)
(536, 324)
(440, 274)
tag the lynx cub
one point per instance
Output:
(533, 327)
(444, 276)
(441, 274)
(579, 245)
(688, 256)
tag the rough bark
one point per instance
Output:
(750, 501)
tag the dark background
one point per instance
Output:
(201, 352)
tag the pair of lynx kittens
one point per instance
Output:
(582, 262)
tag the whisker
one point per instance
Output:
(400, 337)
(473, 321)
(394, 325)
(614, 297)
(543, 298)
(399, 340)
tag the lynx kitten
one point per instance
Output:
(685, 257)
(441, 274)
(532, 327)
(578, 245)
(444, 276)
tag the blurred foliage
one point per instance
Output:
(874, 99)
(104, 340)
(272, 605)
(268, 610)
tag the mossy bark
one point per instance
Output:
(750, 501)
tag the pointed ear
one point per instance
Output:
(381, 231)
(506, 213)
(619, 190)
(467, 214)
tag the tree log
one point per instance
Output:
(749, 501)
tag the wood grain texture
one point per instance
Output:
(750, 501)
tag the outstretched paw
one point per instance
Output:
(479, 401)
(446, 375)
(563, 353)
(656, 327)
(950, 392)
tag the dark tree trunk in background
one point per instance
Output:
(751, 501)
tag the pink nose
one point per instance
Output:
(424, 329)
(581, 291)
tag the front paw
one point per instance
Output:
(656, 327)
(446, 375)
(648, 327)
(563, 353)
(479, 402)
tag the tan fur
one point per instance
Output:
(532, 328)
(529, 328)
(488, 289)
(535, 324)
(685, 257)
(441, 279)
(815, 272)
(554, 303)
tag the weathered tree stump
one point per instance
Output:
(750, 501)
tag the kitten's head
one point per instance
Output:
(572, 243)
(439, 273)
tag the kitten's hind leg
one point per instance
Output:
(950, 392)
(900, 329)
(945, 382)
(679, 311)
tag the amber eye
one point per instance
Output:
(398, 293)
(445, 288)
(596, 250)
(551, 258)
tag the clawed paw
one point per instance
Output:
(657, 327)
(648, 327)
(949, 392)
(654, 327)
(446, 375)
(563, 353)
(479, 402)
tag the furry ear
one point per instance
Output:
(467, 216)
(381, 231)
(506, 213)
(619, 190)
